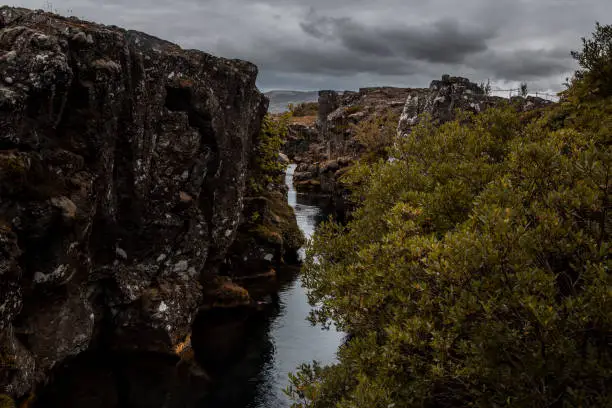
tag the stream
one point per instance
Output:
(277, 343)
(295, 340)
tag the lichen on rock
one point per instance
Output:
(121, 172)
(446, 96)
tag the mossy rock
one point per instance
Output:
(7, 359)
(15, 165)
(268, 234)
(225, 293)
(353, 109)
(286, 226)
(13, 173)
(6, 401)
(277, 224)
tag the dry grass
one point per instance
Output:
(303, 120)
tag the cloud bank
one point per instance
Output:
(347, 44)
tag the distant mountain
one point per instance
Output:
(280, 99)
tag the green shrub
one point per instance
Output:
(304, 109)
(267, 167)
(255, 217)
(376, 134)
(596, 61)
(476, 271)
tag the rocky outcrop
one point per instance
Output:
(268, 238)
(336, 128)
(329, 101)
(444, 97)
(300, 137)
(324, 150)
(123, 162)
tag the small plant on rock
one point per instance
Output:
(267, 167)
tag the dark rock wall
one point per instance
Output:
(123, 161)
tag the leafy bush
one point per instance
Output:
(596, 61)
(267, 167)
(376, 134)
(476, 271)
(304, 109)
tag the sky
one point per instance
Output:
(348, 44)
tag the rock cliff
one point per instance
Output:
(123, 161)
(327, 145)
(444, 97)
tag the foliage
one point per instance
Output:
(6, 401)
(274, 222)
(255, 216)
(596, 60)
(524, 91)
(486, 87)
(376, 133)
(477, 270)
(304, 109)
(267, 167)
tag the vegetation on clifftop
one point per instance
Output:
(476, 271)
(267, 168)
(304, 109)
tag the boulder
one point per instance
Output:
(283, 159)
(268, 237)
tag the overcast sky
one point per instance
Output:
(347, 44)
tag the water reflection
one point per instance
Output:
(279, 339)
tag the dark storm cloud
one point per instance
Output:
(444, 40)
(334, 61)
(351, 43)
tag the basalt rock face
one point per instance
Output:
(444, 97)
(322, 158)
(123, 161)
(299, 139)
